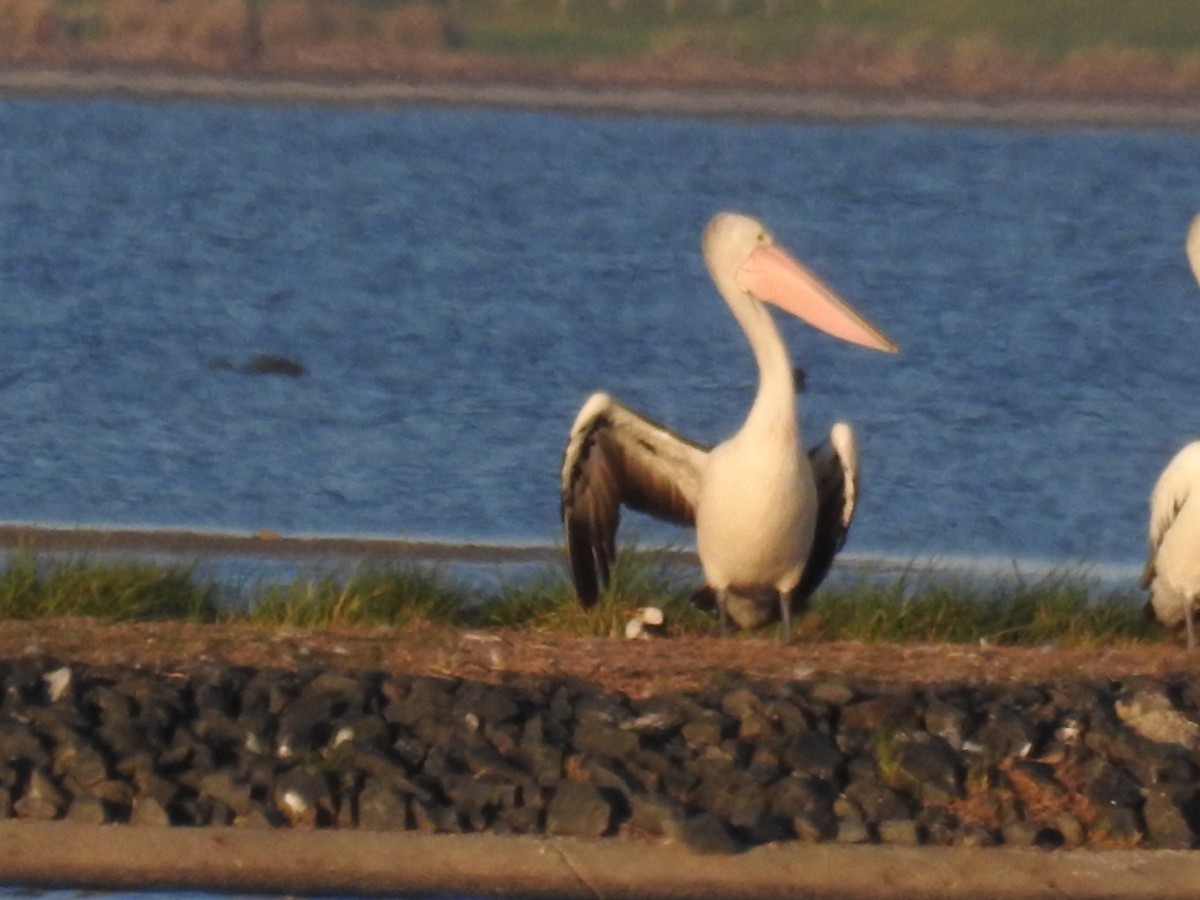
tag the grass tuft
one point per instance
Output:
(125, 591)
(387, 595)
(1061, 607)
(639, 578)
(920, 605)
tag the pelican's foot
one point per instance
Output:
(785, 618)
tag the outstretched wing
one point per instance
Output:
(835, 469)
(616, 457)
(1172, 490)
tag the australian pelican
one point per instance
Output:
(1172, 573)
(769, 517)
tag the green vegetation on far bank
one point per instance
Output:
(757, 31)
(1061, 608)
(964, 47)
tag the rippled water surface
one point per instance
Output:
(457, 281)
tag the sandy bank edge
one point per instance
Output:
(43, 854)
(725, 102)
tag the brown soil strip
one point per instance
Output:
(306, 863)
(772, 103)
(264, 544)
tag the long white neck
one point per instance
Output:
(774, 409)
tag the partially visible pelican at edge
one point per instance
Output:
(769, 517)
(1172, 573)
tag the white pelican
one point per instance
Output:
(754, 498)
(1172, 573)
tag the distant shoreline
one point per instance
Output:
(731, 102)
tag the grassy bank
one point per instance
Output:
(1092, 48)
(1061, 608)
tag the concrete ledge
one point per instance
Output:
(59, 854)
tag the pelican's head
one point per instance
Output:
(743, 256)
(1193, 247)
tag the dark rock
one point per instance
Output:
(41, 799)
(814, 754)
(1022, 834)
(705, 833)
(606, 741)
(940, 826)
(303, 797)
(1166, 824)
(657, 815)
(1005, 733)
(81, 761)
(707, 731)
(269, 364)
(877, 802)
(903, 832)
(949, 721)
(427, 699)
(1118, 824)
(224, 788)
(931, 769)
(19, 743)
(832, 692)
(739, 763)
(1107, 785)
(149, 811)
(579, 810)
(809, 804)
(382, 808)
(1071, 829)
(88, 810)
(603, 774)
(852, 831)
(887, 713)
(489, 704)
(434, 817)
(479, 802)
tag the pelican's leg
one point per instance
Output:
(723, 614)
(785, 617)
(1191, 629)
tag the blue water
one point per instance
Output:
(457, 281)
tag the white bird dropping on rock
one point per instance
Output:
(57, 682)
